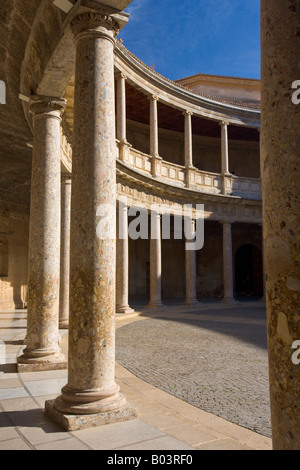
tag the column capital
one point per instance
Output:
(120, 74)
(65, 177)
(224, 123)
(224, 222)
(40, 105)
(123, 205)
(153, 98)
(187, 113)
(92, 23)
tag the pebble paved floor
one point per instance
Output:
(214, 358)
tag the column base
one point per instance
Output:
(124, 148)
(71, 422)
(35, 364)
(124, 309)
(191, 302)
(63, 325)
(155, 305)
(229, 300)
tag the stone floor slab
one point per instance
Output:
(160, 443)
(44, 387)
(14, 444)
(10, 393)
(114, 436)
(65, 444)
(224, 444)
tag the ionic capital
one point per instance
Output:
(224, 123)
(187, 113)
(120, 74)
(153, 98)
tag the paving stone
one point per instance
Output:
(160, 443)
(115, 436)
(66, 444)
(14, 444)
(44, 387)
(9, 393)
(224, 444)
(212, 359)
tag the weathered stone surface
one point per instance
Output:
(280, 143)
(72, 422)
(44, 239)
(91, 387)
(66, 185)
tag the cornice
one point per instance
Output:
(142, 192)
(152, 82)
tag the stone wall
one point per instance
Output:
(14, 228)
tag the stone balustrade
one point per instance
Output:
(203, 181)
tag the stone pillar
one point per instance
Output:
(190, 270)
(280, 158)
(121, 114)
(154, 134)
(122, 271)
(42, 351)
(91, 389)
(65, 250)
(224, 154)
(263, 299)
(188, 145)
(227, 263)
(155, 261)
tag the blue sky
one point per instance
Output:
(185, 37)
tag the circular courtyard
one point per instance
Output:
(213, 357)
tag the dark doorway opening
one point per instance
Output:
(248, 272)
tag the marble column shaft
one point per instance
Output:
(91, 387)
(155, 261)
(44, 239)
(153, 133)
(190, 271)
(66, 186)
(122, 271)
(121, 107)
(227, 263)
(224, 154)
(280, 163)
(188, 140)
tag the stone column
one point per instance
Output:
(227, 263)
(155, 261)
(154, 134)
(65, 250)
(224, 154)
(122, 271)
(263, 299)
(188, 145)
(121, 114)
(280, 158)
(91, 389)
(42, 351)
(190, 270)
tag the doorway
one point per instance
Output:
(248, 271)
